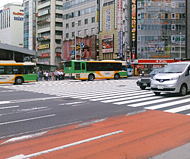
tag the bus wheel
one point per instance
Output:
(116, 76)
(91, 77)
(18, 80)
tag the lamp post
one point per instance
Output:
(180, 46)
(75, 40)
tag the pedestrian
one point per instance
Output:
(38, 74)
(56, 75)
(50, 75)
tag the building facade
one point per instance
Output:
(11, 24)
(161, 29)
(49, 31)
(187, 46)
(29, 24)
(80, 19)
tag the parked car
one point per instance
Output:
(144, 81)
(173, 78)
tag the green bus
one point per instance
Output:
(17, 73)
(90, 70)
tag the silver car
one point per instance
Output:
(173, 78)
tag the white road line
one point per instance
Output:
(168, 104)
(22, 120)
(24, 137)
(27, 100)
(151, 102)
(16, 106)
(132, 97)
(66, 146)
(90, 93)
(110, 94)
(136, 100)
(4, 102)
(118, 95)
(178, 109)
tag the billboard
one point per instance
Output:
(133, 27)
(107, 43)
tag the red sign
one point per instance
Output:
(18, 13)
(156, 61)
(58, 54)
(140, 66)
(45, 55)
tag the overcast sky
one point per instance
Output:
(3, 2)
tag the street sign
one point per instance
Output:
(81, 45)
(73, 52)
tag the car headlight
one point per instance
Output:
(174, 78)
(153, 78)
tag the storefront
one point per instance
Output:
(147, 65)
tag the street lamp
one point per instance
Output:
(180, 46)
(75, 40)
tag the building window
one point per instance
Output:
(79, 33)
(79, 23)
(73, 34)
(86, 32)
(67, 35)
(86, 21)
(173, 15)
(73, 24)
(173, 27)
(93, 19)
(67, 25)
(93, 30)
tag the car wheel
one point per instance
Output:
(157, 93)
(183, 90)
(91, 77)
(116, 76)
(18, 80)
(143, 87)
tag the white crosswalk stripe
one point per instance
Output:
(117, 92)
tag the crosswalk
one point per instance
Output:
(117, 92)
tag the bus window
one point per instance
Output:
(68, 64)
(2, 70)
(83, 66)
(9, 69)
(29, 69)
(18, 70)
(77, 66)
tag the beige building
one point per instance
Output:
(108, 36)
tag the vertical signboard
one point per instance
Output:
(120, 27)
(133, 27)
(108, 20)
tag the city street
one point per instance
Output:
(59, 114)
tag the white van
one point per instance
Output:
(173, 78)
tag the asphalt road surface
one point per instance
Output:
(59, 113)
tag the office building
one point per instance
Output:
(49, 31)
(29, 24)
(11, 24)
(161, 29)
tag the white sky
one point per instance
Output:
(3, 2)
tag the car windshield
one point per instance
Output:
(174, 68)
(155, 71)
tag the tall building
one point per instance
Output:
(161, 29)
(187, 46)
(114, 29)
(29, 24)
(49, 31)
(80, 19)
(11, 24)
